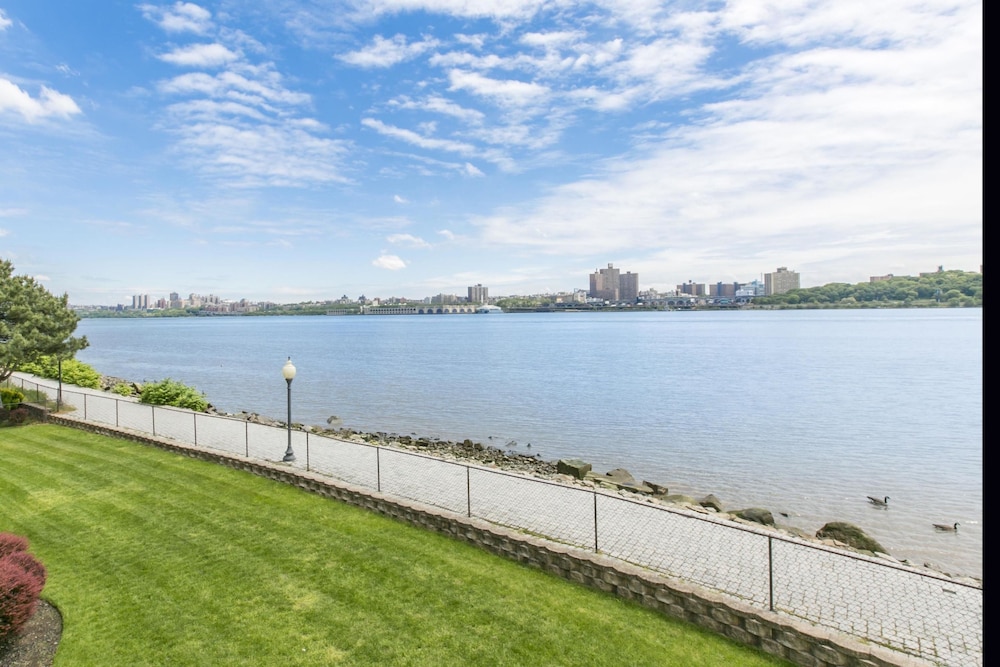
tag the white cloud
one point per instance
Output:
(412, 137)
(4, 21)
(471, 170)
(441, 105)
(180, 17)
(492, 9)
(48, 103)
(3, 232)
(825, 154)
(389, 262)
(200, 55)
(384, 52)
(400, 200)
(506, 92)
(262, 155)
(266, 88)
(407, 240)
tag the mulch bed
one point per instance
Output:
(35, 645)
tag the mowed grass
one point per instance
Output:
(159, 559)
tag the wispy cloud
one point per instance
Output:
(243, 125)
(411, 137)
(407, 240)
(505, 92)
(4, 21)
(440, 105)
(200, 55)
(384, 52)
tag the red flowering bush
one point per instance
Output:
(29, 564)
(22, 578)
(11, 543)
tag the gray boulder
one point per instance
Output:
(850, 535)
(756, 515)
(712, 502)
(658, 489)
(621, 476)
(573, 468)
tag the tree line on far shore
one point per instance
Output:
(942, 288)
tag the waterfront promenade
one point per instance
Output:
(910, 611)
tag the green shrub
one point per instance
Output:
(171, 392)
(73, 371)
(11, 397)
(123, 389)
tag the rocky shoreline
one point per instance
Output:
(835, 534)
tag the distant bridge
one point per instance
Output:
(419, 310)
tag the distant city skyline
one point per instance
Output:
(775, 282)
(287, 152)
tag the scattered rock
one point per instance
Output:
(756, 515)
(658, 489)
(850, 535)
(573, 467)
(620, 476)
(711, 501)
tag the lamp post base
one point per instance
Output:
(288, 457)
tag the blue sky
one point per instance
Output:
(296, 150)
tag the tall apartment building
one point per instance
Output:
(140, 301)
(605, 283)
(628, 286)
(780, 281)
(692, 288)
(610, 285)
(721, 289)
(479, 294)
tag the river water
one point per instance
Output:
(802, 412)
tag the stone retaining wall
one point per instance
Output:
(796, 641)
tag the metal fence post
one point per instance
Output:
(152, 413)
(307, 451)
(246, 437)
(595, 522)
(378, 469)
(116, 412)
(194, 418)
(468, 493)
(770, 572)
(84, 407)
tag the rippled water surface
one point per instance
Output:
(801, 412)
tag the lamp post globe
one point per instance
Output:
(288, 372)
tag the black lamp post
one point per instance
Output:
(288, 371)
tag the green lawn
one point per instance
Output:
(158, 559)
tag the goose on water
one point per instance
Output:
(881, 502)
(946, 528)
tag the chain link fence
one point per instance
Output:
(916, 612)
